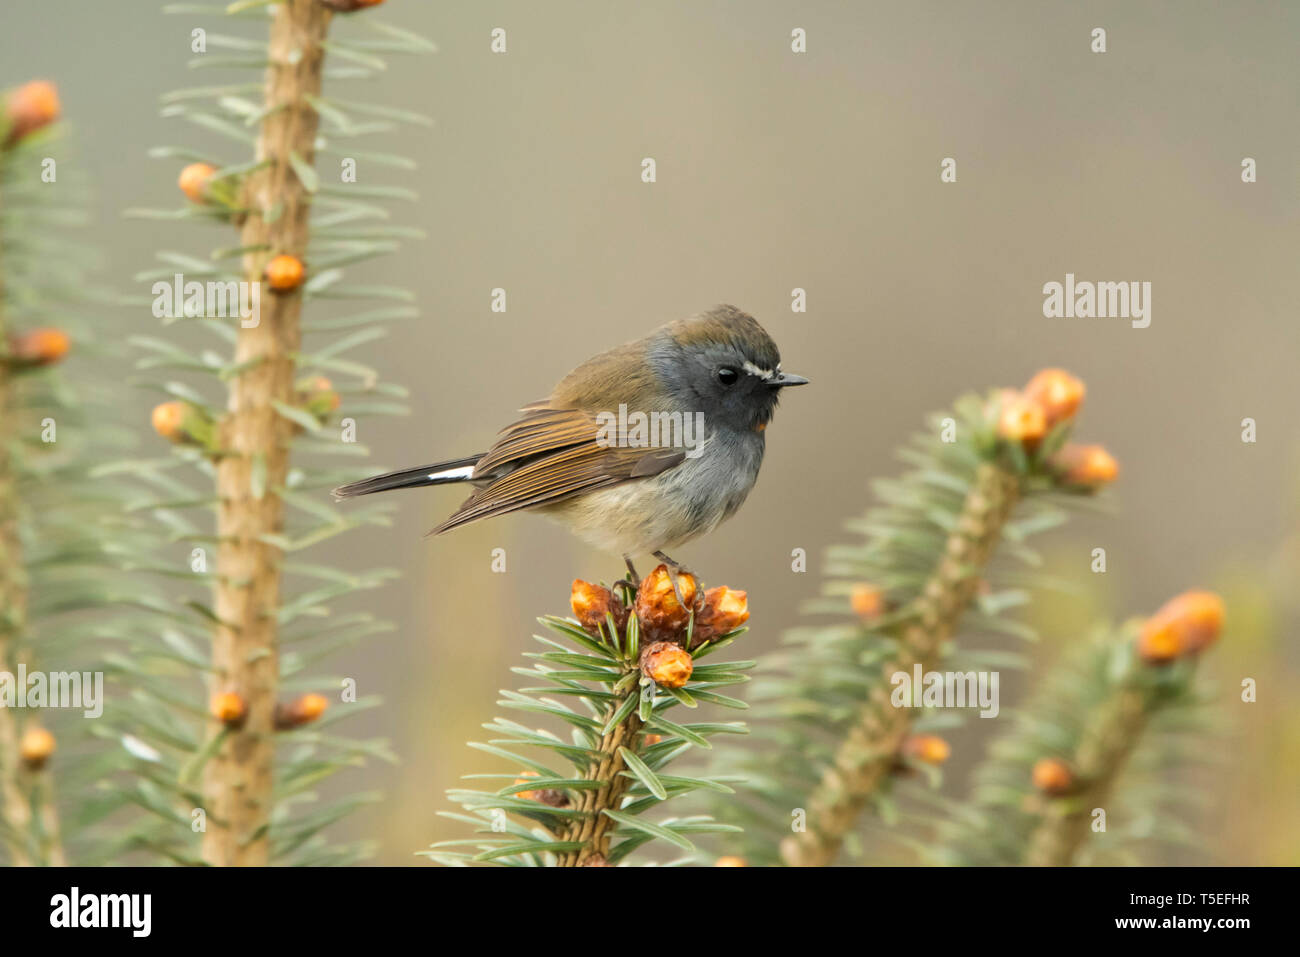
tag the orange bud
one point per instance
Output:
(1085, 466)
(229, 708)
(183, 423)
(301, 710)
(929, 748)
(526, 795)
(723, 610)
(318, 396)
(1020, 420)
(194, 181)
(285, 273)
(36, 746)
(545, 795)
(167, 419)
(666, 664)
(39, 347)
(1158, 642)
(1057, 393)
(662, 616)
(868, 601)
(651, 739)
(730, 861)
(1053, 776)
(1185, 625)
(30, 107)
(591, 603)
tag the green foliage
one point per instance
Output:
(163, 664)
(1125, 727)
(593, 687)
(63, 521)
(811, 695)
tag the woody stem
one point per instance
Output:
(865, 757)
(1111, 735)
(594, 828)
(238, 780)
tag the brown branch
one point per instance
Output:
(1108, 741)
(595, 829)
(238, 780)
(866, 756)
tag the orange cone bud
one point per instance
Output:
(868, 601)
(723, 610)
(1020, 420)
(36, 746)
(545, 795)
(39, 347)
(591, 603)
(194, 180)
(929, 748)
(666, 664)
(1185, 625)
(662, 616)
(1085, 466)
(318, 396)
(167, 419)
(285, 273)
(30, 107)
(730, 861)
(183, 423)
(1057, 393)
(229, 708)
(1053, 777)
(301, 710)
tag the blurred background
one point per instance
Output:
(818, 171)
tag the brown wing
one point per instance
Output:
(551, 455)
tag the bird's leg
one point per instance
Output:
(635, 583)
(674, 569)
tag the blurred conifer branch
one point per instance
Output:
(632, 664)
(214, 769)
(985, 478)
(1103, 734)
(53, 529)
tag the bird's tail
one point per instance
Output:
(440, 473)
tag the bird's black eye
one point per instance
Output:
(728, 376)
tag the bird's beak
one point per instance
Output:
(784, 379)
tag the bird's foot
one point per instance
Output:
(676, 568)
(631, 584)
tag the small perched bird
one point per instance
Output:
(637, 450)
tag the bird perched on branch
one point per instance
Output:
(638, 449)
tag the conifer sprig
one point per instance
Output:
(255, 424)
(54, 536)
(1085, 775)
(985, 478)
(611, 675)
